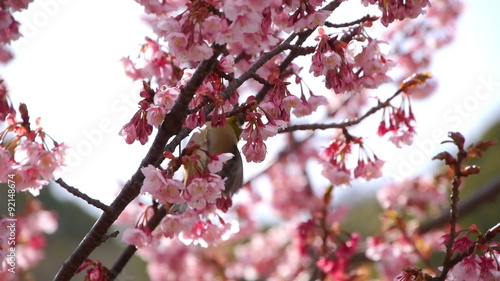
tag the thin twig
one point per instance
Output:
(347, 24)
(127, 254)
(344, 124)
(91, 201)
(454, 197)
(113, 234)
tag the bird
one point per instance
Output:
(218, 140)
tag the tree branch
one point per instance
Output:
(127, 254)
(347, 24)
(77, 193)
(342, 124)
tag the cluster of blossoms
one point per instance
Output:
(252, 26)
(153, 63)
(30, 228)
(346, 71)
(9, 27)
(482, 264)
(25, 154)
(335, 157)
(191, 203)
(152, 110)
(416, 40)
(400, 243)
(397, 122)
(401, 246)
(398, 9)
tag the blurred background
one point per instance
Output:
(67, 70)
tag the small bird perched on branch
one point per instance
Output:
(223, 140)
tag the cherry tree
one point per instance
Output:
(212, 60)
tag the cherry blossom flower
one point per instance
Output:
(398, 122)
(6, 107)
(309, 106)
(136, 237)
(371, 169)
(165, 190)
(337, 176)
(31, 163)
(392, 257)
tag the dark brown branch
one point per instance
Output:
(454, 198)
(344, 124)
(347, 24)
(113, 234)
(94, 202)
(259, 79)
(127, 254)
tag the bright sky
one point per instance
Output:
(68, 72)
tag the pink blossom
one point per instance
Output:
(28, 178)
(165, 97)
(5, 164)
(11, 32)
(155, 115)
(371, 169)
(43, 221)
(330, 60)
(246, 23)
(163, 189)
(154, 179)
(137, 129)
(172, 225)
(255, 151)
(163, 25)
(309, 106)
(390, 257)
(129, 133)
(136, 237)
(226, 64)
(171, 192)
(400, 138)
(6, 107)
(17, 5)
(467, 269)
(217, 163)
(337, 176)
